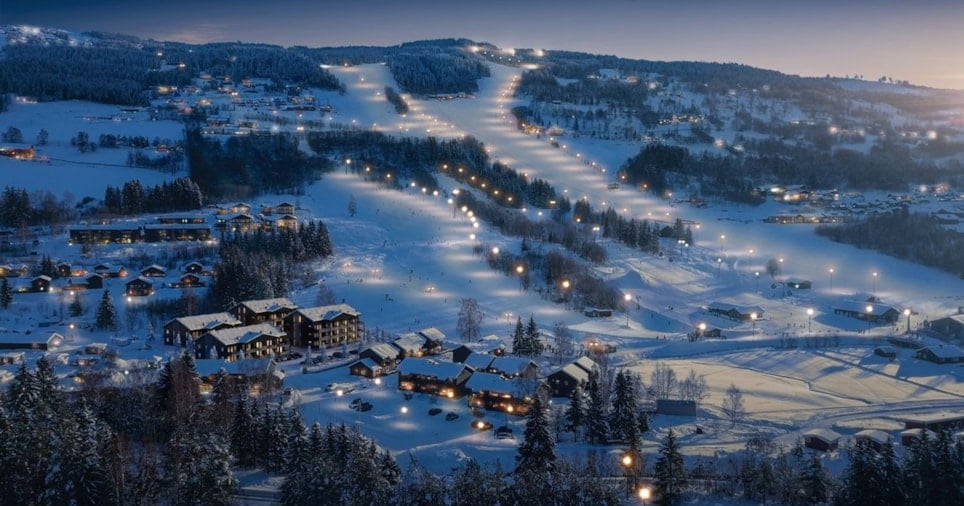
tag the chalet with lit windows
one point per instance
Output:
(428, 341)
(186, 329)
(575, 374)
(446, 379)
(236, 222)
(192, 219)
(270, 311)
(18, 153)
(366, 368)
(514, 367)
(111, 271)
(873, 312)
(139, 287)
(119, 233)
(495, 392)
(735, 312)
(323, 325)
(258, 374)
(64, 270)
(34, 341)
(40, 283)
(283, 221)
(198, 268)
(188, 281)
(166, 232)
(153, 271)
(10, 271)
(282, 208)
(248, 341)
(383, 354)
(13, 357)
(92, 282)
(239, 208)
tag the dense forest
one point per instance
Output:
(241, 167)
(916, 237)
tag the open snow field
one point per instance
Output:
(405, 259)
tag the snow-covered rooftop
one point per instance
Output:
(207, 321)
(245, 334)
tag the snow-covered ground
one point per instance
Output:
(405, 260)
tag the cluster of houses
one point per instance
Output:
(264, 328)
(915, 429)
(78, 278)
(188, 227)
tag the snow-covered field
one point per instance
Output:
(405, 260)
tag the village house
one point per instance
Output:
(259, 374)
(139, 287)
(950, 327)
(92, 282)
(198, 268)
(366, 368)
(187, 329)
(572, 375)
(284, 221)
(111, 271)
(165, 232)
(428, 341)
(282, 208)
(383, 354)
(120, 233)
(495, 392)
(248, 341)
(446, 379)
(676, 407)
(191, 219)
(323, 325)
(270, 311)
(40, 283)
(819, 439)
(188, 281)
(874, 312)
(12, 357)
(735, 312)
(941, 354)
(9, 271)
(876, 439)
(33, 341)
(153, 271)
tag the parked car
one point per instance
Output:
(365, 406)
(434, 411)
(504, 432)
(451, 415)
(481, 425)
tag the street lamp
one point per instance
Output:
(873, 291)
(520, 270)
(702, 327)
(753, 317)
(644, 494)
(907, 314)
(722, 237)
(809, 320)
(870, 310)
(719, 265)
(757, 284)
(630, 466)
(831, 280)
(627, 298)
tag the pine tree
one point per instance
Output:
(533, 343)
(6, 294)
(75, 309)
(519, 339)
(597, 430)
(538, 450)
(670, 471)
(474, 486)
(814, 482)
(623, 424)
(106, 313)
(576, 411)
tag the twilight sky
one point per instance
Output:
(920, 41)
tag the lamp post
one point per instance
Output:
(870, 311)
(873, 290)
(757, 284)
(751, 256)
(629, 462)
(508, 411)
(719, 265)
(809, 320)
(627, 298)
(753, 317)
(831, 280)
(722, 237)
(907, 314)
(702, 327)
(565, 291)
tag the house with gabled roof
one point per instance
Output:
(154, 271)
(428, 341)
(247, 341)
(383, 354)
(139, 287)
(873, 438)
(323, 325)
(446, 379)
(366, 368)
(271, 311)
(576, 373)
(479, 362)
(514, 367)
(497, 393)
(872, 311)
(941, 354)
(821, 439)
(188, 328)
(40, 283)
(734, 311)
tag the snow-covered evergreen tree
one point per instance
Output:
(576, 412)
(106, 313)
(6, 293)
(597, 428)
(669, 471)
(623, 422)
(538, 449)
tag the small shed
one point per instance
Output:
(366, 368)
(139, 287)
(676, 407)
